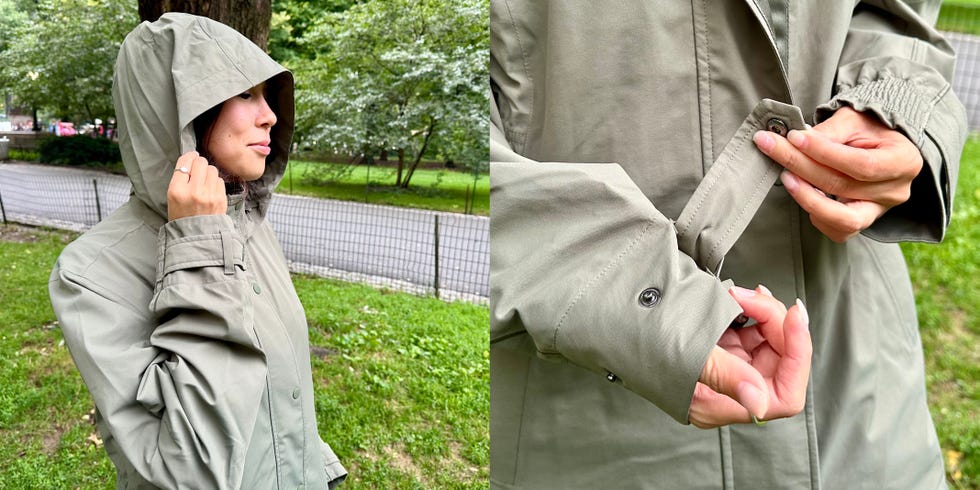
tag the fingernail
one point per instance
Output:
(742, 292)
(796, 138)
(789, 181)
(764, 140)
(750, 397)
(806, 316)
(764, 290)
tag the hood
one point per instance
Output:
(173, 70)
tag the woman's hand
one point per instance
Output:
(195, 189)
(760, 370)
(851, 155)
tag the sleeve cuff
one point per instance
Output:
(661, 345)
(200, 241)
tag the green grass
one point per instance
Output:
(960, 16)
(401, 382)
(440, 190)
(948, 300)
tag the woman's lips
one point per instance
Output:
(263, 149)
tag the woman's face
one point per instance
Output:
(239, 139)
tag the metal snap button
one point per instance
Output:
(256, 288)
(650, 297)
(777, 126)
(611, 377)
(296, 394)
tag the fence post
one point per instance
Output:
(4, 211)
(98, 205)
(436, 282)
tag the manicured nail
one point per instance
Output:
(750, 397)
(764, 141)
(806, 316)
(789, 180)
(742, 292)
(796, 138)
(764, 290)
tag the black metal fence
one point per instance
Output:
(411, 250)
(961, 25)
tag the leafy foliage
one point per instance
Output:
(78, 150)
(400, 74)
(61, 53)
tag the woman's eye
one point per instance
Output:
(245, 95)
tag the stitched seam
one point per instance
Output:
(707, 71)
(759, 185)
(578, 296)
(527, 73)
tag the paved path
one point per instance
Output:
(385, 244)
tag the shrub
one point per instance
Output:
(78, 150)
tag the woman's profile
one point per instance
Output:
(178, 309)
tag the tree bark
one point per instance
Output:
(401, 165)
(418, 158)
(249, 17)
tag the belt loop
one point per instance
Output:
(227, 252)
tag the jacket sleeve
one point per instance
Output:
(180, 385)
(898, 67)
(573, 248)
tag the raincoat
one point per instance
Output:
(625, 188)
(189, 334)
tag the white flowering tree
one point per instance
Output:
(60, 55)
(401, 75)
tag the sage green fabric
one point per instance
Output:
(606, 118)
(189, 334)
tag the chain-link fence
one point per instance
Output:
(960, 24)
(424, 252)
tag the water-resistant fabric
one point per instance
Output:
(606, 117)
(188, 333)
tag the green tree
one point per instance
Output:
(398, 74)
(292, 19)
(61, 54)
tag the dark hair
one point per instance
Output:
(202, 132)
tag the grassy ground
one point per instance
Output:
(960, 16)
(401, 382)
(440, 190)
(948, 299)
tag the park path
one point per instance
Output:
(383, 245)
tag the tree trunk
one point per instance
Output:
(249, 17)
(401, 165)
(418, 158)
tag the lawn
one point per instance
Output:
(401, 382)
(948, 298)
(960, 16)
(441, 190)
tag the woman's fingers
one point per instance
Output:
(766, 310)
(725, 373)
(195, 188)
(793, 372)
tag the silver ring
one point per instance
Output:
(184, 170)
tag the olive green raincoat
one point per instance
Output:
(612, 268)
(189, 334)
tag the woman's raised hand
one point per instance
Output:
(759, 371)
(195, 189)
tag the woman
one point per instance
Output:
(178, 308)
(615, 269)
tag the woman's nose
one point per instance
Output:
(266, 118)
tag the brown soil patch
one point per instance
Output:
(12, 232)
